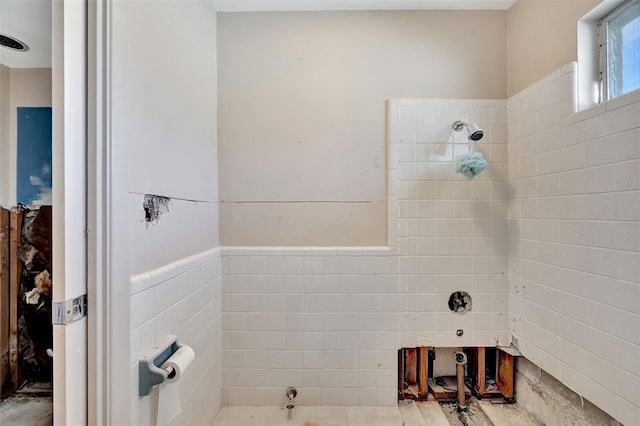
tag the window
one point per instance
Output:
(619, 50)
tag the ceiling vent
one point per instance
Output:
(12, 43)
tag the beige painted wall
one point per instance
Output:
(21, 87)
(542, 37)
(302, 112)
(5, 107)
(164, 103)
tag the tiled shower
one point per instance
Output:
(545, 241)
(331, 320)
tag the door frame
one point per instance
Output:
(109, 290)
(68, 75)
(92, 368)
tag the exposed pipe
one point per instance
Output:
(462, 401)
(461, 361)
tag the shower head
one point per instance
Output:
(475, 132)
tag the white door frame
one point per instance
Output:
(92, 368)
(109, 290)
(97, 331)
(68, 72)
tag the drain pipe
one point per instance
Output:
(461, 361)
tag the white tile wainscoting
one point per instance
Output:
(322, 320)
(181, 298)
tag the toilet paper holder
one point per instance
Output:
(149, 372)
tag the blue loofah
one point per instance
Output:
(470, 164)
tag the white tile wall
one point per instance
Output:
(574, 228)
(181, 298)
(322, 320)
(329, 321)
(452, 231)
(545, 240)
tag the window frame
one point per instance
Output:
(602, 38)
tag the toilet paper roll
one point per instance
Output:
(180, 362)
(168, 397)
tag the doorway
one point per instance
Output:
(89, 208)
(26, 333)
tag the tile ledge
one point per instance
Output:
(145, 280)
(309, 251)
(610, 105)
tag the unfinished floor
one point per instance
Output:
(25, 410)
(539, 400)
(407, 413)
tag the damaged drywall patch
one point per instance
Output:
(154, 206)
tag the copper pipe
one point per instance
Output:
(462, 401)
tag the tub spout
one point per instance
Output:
(291, 394)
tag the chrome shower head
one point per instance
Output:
(475, 132)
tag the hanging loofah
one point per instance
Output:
(470, 164)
